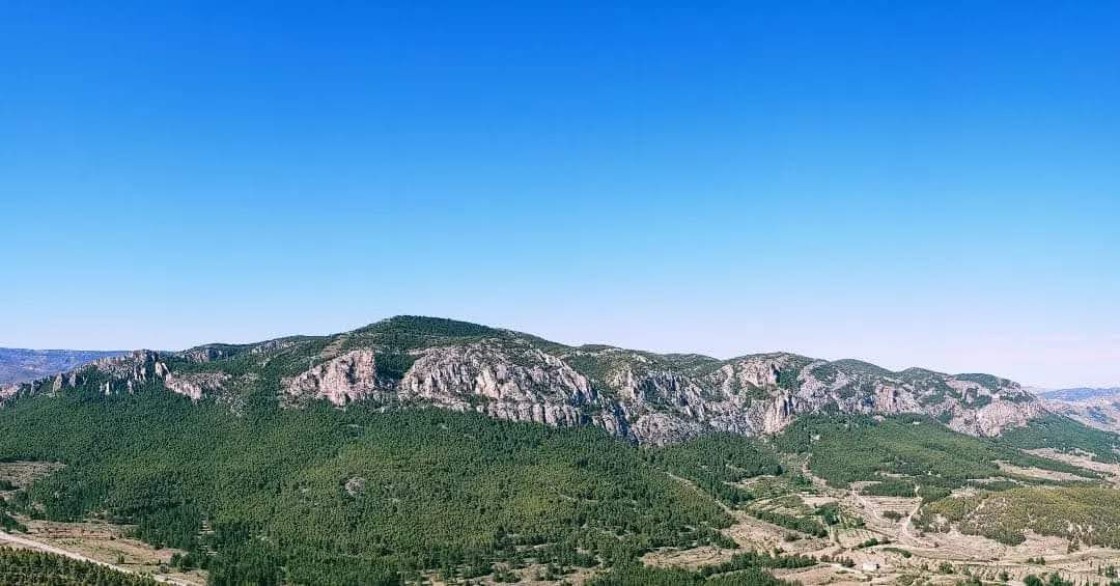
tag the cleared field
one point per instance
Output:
(1087, 516)
(1109, 470)
(913, 554)
(104, 544)
(21, 474)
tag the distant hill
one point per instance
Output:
(19, 365)
(1096, 407)
(1080, 394)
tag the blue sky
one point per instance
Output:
(932, 184)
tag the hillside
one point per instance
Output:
(19, 365)
(1099, 408)
(321, 495)
(413, 449)
(640, 396)
(257, 493)
(326, 496)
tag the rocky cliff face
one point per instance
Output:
(637, 395)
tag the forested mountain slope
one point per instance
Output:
(412, 450)
(641, 396)
(264, 494)
(326, 496)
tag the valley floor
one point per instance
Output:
(910, 555)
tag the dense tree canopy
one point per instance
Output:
(845, 449)
(326, 496)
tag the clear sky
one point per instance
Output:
(909, 183)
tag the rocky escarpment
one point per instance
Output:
(129, 374)
(641, 396)
(346, 378)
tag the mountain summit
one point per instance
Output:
(642, 396)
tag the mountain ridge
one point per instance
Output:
(641, 396)
(1079, 393)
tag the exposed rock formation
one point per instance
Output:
(195, 385)
(637, 395)
(350, 377)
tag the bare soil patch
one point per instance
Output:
(23, 473)
(1038, 473)
(108, 544)
(1082, 460)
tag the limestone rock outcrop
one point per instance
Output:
(641, 396)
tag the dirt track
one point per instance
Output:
(39, 546)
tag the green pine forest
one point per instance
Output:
(326, 496)
(318, 495)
